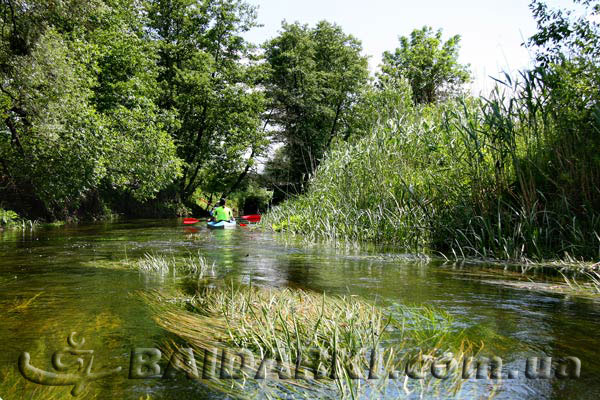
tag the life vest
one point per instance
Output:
(223, 214)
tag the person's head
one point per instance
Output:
(222, 202)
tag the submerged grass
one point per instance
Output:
(14, 386)
(21, 305)
(588, 284)
(301, 331)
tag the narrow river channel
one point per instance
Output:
(54, 281)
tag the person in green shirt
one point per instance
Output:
(222, 212)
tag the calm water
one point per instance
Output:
(66, 274)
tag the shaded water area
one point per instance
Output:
(55, 281)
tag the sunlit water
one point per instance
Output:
(66, 273)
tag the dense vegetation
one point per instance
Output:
(156, 107)
(107, 103)
(515, 175)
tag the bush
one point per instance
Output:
(8, 218)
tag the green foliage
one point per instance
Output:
(429, 64)
(8, 217)
(386, 101)
(206, 83)
(315, 75)
(564, 35)
(470, 178)
(253, 199)
(513, 176)
(77, 104)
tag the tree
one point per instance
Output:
(77, 104)
(207, 81)
(562, 36)
(430, 65)
(315, 75)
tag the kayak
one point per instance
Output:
(221, 225)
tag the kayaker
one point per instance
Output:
(222, 212)
(211, 211)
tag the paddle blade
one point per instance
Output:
(252, 217)
(190, 221)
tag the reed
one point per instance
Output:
(513, 176)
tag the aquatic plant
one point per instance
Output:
(586, 282)
(301, 331)
(197, 265)
(23, 304)
(10, 219)
(153, 263)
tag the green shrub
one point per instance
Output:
(8, 218)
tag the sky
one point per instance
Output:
(491, 31)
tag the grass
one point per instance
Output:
(162, 265)
(589, 284)
(281, 323)
(513, 177)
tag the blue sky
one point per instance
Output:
(492, 31)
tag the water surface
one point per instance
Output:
(60, 280)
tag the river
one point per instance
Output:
(54, 281)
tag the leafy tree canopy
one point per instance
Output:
(207, 80)
(428, 63)
(315, 75)
(77, 103)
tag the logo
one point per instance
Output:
(79, 379)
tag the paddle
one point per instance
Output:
(251, 217)
(191, 221)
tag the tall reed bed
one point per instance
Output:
(514, 176)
